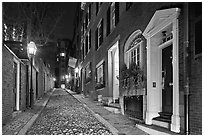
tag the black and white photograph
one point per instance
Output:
(101, 68)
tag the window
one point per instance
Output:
(99, 34)
(86, 21)
(114, 14)
(100, 75)
(84, 27)
(98, 4)
(89, 43)
(198, 37)
(62, 54)
(133, 48)
(83, 50)
(134, 55)
(197, 7)
(128, 5)
(89, 13)
(108, 22)
(86, 45)
(88, 72)
(97, 7)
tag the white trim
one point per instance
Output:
(14, 55)
(161, 20)
(101, 62)
(127, 44)
(18, 84)
(111, 64)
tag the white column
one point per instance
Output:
(175, 119)
(151, 93)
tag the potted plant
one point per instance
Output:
(132, 77)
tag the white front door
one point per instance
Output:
(114, 70)
(16, 90)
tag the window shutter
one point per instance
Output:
(96, 75)
(96, 38)
(101, 31)
(108, 21)
(86, 43)
(104, 73)
(82, 50)
(90, 69)
(97, 7)
(90, 39)
(116, 13)
(90, 12)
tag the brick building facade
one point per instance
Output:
(16, 83)
(116, 34)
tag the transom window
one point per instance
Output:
(133, 48)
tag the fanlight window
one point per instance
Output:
(133, 48)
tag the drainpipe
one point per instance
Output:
(186, 67)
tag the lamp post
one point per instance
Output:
(31, 50)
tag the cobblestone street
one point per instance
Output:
(64, 115)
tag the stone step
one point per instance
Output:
(161, 123)
(165, 114)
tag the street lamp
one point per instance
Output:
(31, 50)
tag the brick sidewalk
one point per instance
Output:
(20, 123)
(117, 123)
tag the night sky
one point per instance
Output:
(65, 27)
(63, 30)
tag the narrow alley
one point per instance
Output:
(64, 115)
(101, 68)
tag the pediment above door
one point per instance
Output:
(160, 19)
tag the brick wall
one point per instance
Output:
(195, 97)
(23, 88)
(7, 85)
(137, 17)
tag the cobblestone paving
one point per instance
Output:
(64, 115)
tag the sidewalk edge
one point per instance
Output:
(112, 129)
(32, 120)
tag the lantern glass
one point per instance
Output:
(32, 48)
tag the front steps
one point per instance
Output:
(164, 120)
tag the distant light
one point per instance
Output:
(83, 5)
(54, 79)
(66, 76)
(31, 48)
(62, 54)
(76, 70)
(62, 85)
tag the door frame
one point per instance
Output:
(114, 46)
(161, 20)
(18, 84)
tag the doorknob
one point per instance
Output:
(170, 84)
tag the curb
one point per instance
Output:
(112, 129)
(32, 120)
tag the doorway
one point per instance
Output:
(113, 63)
(15, 87)
(37, 85)
(167, 80)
